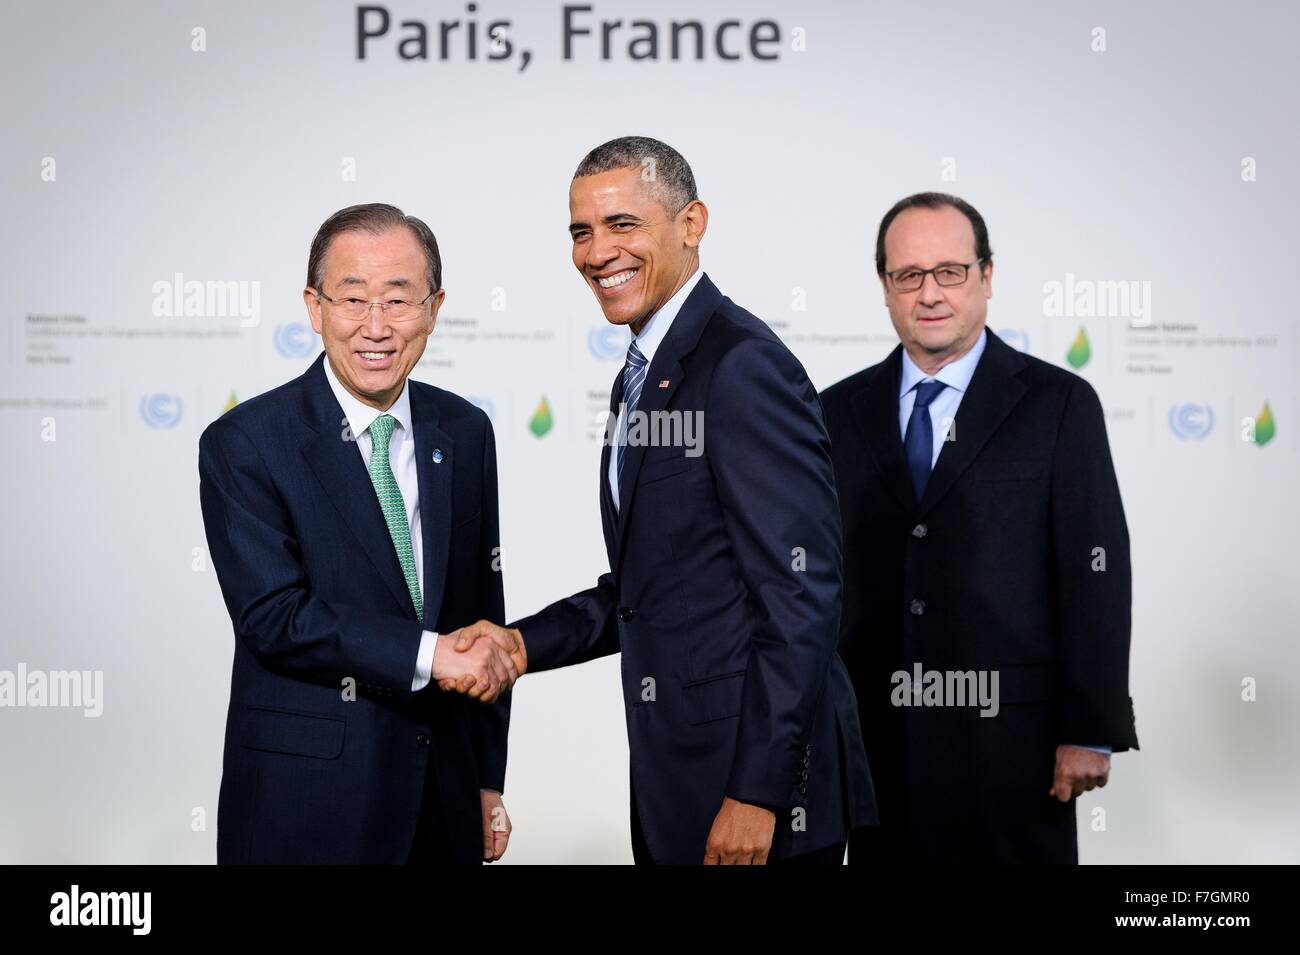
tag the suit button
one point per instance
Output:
(422, 739)
(917, 607)
(919, 531)
(626, 613)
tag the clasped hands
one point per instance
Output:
(481, 661)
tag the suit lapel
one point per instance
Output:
(653, 398)
(994, 391)
(435, 481)
(876, 415)
(609, 513)
(333, 456)
(663, 378)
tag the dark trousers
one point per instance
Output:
(831, 855)
(432, 843)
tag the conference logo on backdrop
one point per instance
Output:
(1080, 351)
(541, 421)
(607, 342)
(295, 339)
(161, 410)
(1191, 422)
(1017, 338)
(1261, 429)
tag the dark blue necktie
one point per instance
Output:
(918, 442)
(633, 378)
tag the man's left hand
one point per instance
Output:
(741, 834)
(1077, 771)
(496, 825)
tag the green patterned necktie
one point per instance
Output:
(390, 499)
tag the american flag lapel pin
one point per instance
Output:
(664, 383)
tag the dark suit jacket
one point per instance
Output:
(730, 678)
(991, 570)
(316, 595)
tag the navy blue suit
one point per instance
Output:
(316, 595)
(724, 598)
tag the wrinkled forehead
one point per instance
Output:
(607, 193)
(392, 257)
(926, 237)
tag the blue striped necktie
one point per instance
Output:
(919, 440)
(633, 378)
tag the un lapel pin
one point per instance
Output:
(437, 455)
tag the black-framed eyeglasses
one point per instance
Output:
(948, 275)
(358, 309)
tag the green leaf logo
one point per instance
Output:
(1080, 351)
(1265, 427)
(541, 421)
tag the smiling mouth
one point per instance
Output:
(617, 279)
(375, 357)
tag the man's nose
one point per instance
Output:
(601, 251)
(376, 323)
(931, 292)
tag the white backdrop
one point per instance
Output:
(1156, 155)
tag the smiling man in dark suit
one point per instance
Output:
(724, 587)
(984, 535)
(351, 515)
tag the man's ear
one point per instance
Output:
(435, 303)
(695, 220)
(312, 302)
(986, 279)
(884, 288)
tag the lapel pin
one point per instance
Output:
(664, 383)
(437, 455)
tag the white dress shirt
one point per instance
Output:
(647, 342)
(401, 458)
(943, 409)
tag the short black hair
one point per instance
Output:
(935, 200)
(375, 218)
(664, 168)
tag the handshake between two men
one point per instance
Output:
(481, 661)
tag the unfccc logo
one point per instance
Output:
(607, 342)
(294, 340)
(1191, 422)
(161, 410)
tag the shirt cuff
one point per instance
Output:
(424, 660)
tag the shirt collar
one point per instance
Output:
(656, 329)
(956, 374)
(361, 415)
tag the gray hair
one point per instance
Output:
(375, 218)
(663, 168)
